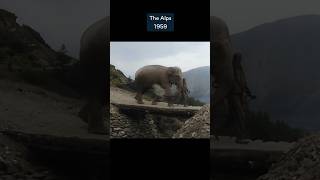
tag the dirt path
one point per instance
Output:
(30, 109)
(121, 96)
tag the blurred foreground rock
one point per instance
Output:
(196, 127)
(302, 162)
(15, 165)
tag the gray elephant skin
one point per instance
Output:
(94, 56)
(223, 76)
(222, 58)
(163, 76)
(230, 87)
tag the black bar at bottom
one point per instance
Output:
(160, 159)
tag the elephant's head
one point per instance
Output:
(175, 77)
(222, 59)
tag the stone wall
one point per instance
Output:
(196, 127)
(142, 125)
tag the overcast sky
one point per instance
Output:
(60, 21)
(241, 15)
(130, 56)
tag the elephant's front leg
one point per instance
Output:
(138, 97)
(96, 117)
(168, 96)
(184, 98)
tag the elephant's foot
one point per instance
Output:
(136, 97)
(155, 101)
(139, 99)
(140, 102)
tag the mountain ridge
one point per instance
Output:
(281, 61)
(198, 82)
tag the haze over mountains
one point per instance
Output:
(198, 81)
(282, 61)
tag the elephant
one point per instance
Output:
(182, 97)
(94, 56)
(223, 75)
(229, 81)
(184, 92)
(165, 77)
(222, 60)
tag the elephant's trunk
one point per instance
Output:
(222, 60)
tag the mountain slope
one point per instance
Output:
(282, 63)
(198, 82)
(21, 47)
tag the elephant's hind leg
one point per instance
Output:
(138, 97)
(96, 118)
(155, 100)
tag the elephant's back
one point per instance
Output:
(96, 36)
(149, 75)
(149, 69)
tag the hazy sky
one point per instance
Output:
(130, 56)
(241, 15)
(61, 21)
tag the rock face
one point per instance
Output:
(21, 47)
(136, 125)
(123, 126)
(302, 162)
(117, 77)
(13, 163)
(196, 127)
(24, 55)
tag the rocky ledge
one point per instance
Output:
(302, 162)
(196, 127)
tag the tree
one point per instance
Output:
(63, 58)
(63, 49)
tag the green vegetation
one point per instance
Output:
(62, 57)
(260, 126)
(117, 78)
(194, 102)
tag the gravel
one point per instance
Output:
(196, 127)
(302, 162)
(15, 166)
